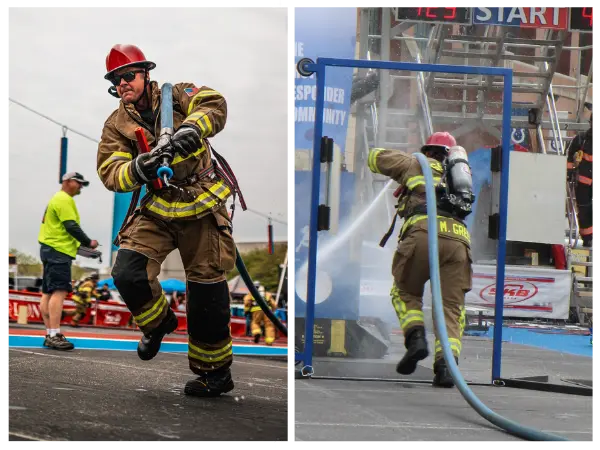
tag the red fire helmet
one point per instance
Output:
(440, 141)
(125, 56)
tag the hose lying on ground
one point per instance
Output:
(511, 427)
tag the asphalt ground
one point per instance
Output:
(88, 395)
(351, 410)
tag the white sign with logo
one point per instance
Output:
(528, 292)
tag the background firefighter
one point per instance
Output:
(410, 266)
(579, 168)
(259, 319)
(248, 300)
(189, 216)
(85, 291)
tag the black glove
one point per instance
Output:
(571, 175)
(145, 166)
(186, 140)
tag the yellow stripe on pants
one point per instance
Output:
(408, 318)
(455, 346)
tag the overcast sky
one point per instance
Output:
(57, 64)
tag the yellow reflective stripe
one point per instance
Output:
(199, 123)
(406, 317)
(372, 159)
(210, 359)
(209, 355)
(198, 97)
(255, 308)
(116, 156)
(208, 124)
(214, 189)
(203, 122)
(203, 202)
(455, 346)
(419, 180)
(124, 180)
(412, 180)
(410, 317)
(209, 352)
(397, 302)
(437, 166)
(180, 158)
(411, 221)
(156, 309)
(77, 299)
(462, 320)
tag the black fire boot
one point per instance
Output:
(442, 377)
(416, 350)
(149, 345)
(210, 384)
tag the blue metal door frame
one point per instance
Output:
(319, 69)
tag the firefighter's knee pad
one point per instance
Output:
(208, 311)
(131, 278)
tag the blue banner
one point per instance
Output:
(519, 137)
(338, 278)
(324, 32)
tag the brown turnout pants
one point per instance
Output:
(410, 269)
(259, 318)
(207, 251)
(78, 314)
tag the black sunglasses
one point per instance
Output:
(127, 76)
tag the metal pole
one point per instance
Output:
(384, 84)
(503, 213)
(313, 233)
(585, 90)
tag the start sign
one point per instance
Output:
(556, 18)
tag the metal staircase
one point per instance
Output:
(478, 98)
(470, 100)
(454, 98)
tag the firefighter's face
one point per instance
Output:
(130, 91)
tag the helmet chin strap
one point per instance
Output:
(113, 91)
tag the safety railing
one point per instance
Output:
(572, 216)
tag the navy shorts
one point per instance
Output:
(57, 270)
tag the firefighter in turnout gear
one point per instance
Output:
(248, 304)
(259, 319)
(579, 167)
(85, 291)
(410, 266)
(189, 215)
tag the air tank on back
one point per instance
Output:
(459, 190)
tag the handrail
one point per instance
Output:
(572, 216)
(553, 115)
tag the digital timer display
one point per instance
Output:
(581, 19)
(435, 15)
